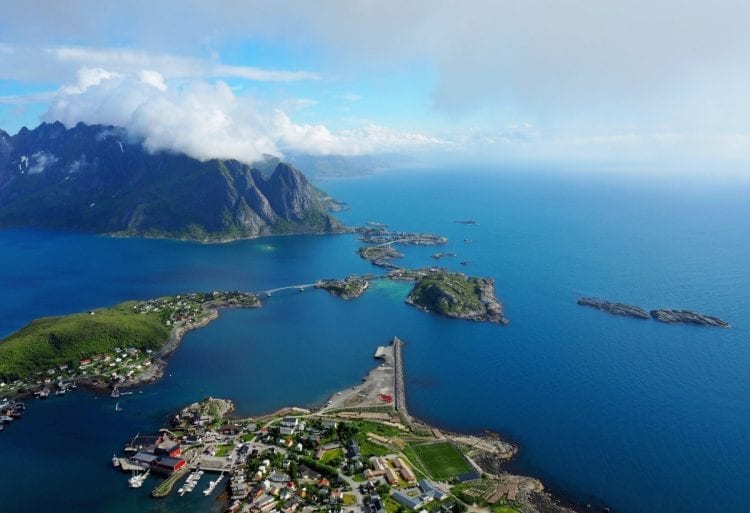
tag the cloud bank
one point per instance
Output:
(208, 120)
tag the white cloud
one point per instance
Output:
(208, 120)
(40, 161)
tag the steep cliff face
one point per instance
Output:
(97, 179)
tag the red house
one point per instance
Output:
(167, 465)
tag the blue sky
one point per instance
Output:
(571, 80)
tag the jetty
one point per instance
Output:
(398, 380)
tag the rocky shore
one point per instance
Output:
(614, 308)
(688, 317)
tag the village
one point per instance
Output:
(360, 452)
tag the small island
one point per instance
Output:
(614, 308)
(688, 317)
(350, 287)
(453, 294)
(380, 256)
(661, 315)
(380, 234)
(440, 256)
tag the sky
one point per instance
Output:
(560, 80)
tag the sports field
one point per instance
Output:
(442, 460)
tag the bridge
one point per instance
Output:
(301, 288)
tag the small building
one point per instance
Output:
(144, 458)
(407, 474)
(407, 501)
(431, 490)
(391, 476)
(168, 448)
(167, 465)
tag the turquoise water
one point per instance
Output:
(643, 416)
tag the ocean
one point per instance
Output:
(637, 415)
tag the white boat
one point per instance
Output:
(212, 485)
(117, 406)
(115, 461)
(136, 481)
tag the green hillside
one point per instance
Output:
(52, 341)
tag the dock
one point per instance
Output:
(128, 466)
(381, 352)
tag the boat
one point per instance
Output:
(117, 406)
(115, 393)
(115, 461)
(212, 485)
(136, 481)
(43, 393)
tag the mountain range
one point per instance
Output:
(99, 179)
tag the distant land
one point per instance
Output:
(95, 178)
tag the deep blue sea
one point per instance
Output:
(641, 416)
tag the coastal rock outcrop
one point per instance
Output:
(614, 308)
(688, 317)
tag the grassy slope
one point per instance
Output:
(51, 341)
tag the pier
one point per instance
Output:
(399, 388)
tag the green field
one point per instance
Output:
(442, 460)
(50, 341)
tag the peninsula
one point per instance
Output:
(122, 345)
(360, 451)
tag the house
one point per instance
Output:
(265, 503)
(279, 477)
(144, 458)
(323, 482)
(407, 474)
(290, 422)
(286, 431)
(167, 465)
(431, 490)
(391, 476)
(406, 500)
(168, 448)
